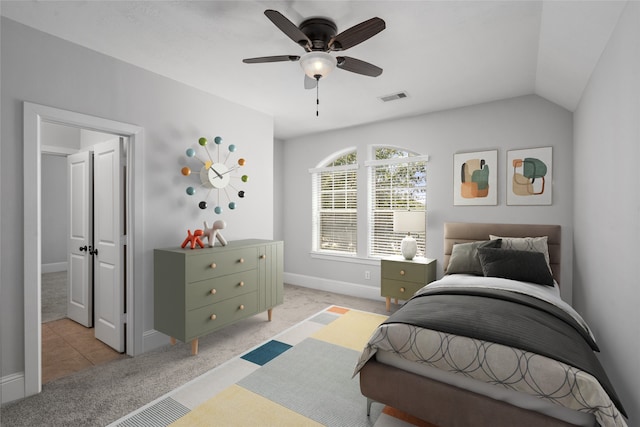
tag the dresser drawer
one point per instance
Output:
(404, 271)
(206, 319)
(215, 264)
(399, 289)
(221, 288)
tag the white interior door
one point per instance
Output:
(79, 292)
(108, 243)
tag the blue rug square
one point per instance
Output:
(266, 352)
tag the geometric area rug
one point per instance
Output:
(301, 377)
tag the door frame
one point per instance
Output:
(34, 115)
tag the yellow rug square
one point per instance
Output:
(237, 406)
(351, 330)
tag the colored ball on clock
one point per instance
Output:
(232, 148)
(202, 205)
(202, 141)
(217, 140)
(241, 162)
(218, 210)
(186, 171)
(245, 178)
(241, 194)
(191, 152)
(191, 191)
(232, 205)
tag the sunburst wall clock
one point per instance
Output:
(216, 176)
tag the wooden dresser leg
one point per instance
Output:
(194, 347)
(269, 313)
(388, 303)
(172, 340)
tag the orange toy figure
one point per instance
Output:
(194, 239)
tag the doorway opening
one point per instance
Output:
(70, 342)
(34, 117)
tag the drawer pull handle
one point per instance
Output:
(213, 291)
(241, 307)
(402, 289)
(263, 256)
(241, 260)
(213, 265)
(402, 272)
(213, 317)
(241, 284)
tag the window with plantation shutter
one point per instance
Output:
(335, 210)
(397, 182)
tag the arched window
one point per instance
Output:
(396, 181)
(335, 205)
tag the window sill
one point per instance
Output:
(353, 259)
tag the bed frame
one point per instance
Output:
(442, 404)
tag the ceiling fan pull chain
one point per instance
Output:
(317, 76)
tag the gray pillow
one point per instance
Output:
(464, 257)
(525, 266)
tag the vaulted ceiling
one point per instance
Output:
(442, 54)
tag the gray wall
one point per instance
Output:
(54, 211)
(46, 70)
(607, 208)
(523, 122)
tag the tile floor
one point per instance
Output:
(69, 347)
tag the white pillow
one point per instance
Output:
(532, 244)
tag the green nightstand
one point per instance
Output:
(401, 278)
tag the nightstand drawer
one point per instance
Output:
(405, 271)
(219, 289)
(215, 264)
(399, 289)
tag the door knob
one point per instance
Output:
(93, 251)
(83, 248)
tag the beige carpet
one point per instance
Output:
(105, 393)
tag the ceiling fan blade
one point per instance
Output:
(289, 28)
(279, 58)
(357, 66)
(310, 83)
(357, 34)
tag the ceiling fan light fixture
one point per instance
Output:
(317, 64)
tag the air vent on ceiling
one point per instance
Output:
(393, 97)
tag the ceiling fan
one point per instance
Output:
(318, 37)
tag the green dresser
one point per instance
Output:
(401, 278)
(197, 291)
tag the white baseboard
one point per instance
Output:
(153, 339)
(338, 287)
(12, 387)
(54, 267)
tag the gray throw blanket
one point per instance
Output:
(507, 318)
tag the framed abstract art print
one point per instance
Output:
(475, 178)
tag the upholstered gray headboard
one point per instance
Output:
(463, 232)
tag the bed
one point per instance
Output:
(436, 358)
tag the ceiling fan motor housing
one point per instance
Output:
(320, 31)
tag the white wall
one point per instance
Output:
(523, 122)
(607, 208)
(46, 70)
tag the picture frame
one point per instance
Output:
(530, 176)
(475, 178)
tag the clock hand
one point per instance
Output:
(230, 170)
(216, 172)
